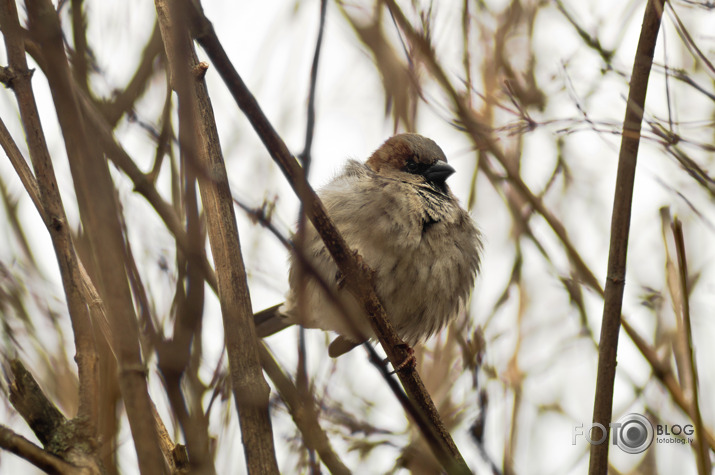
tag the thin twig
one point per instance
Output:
(306, 160)
(689, 43)
(590, 41)
(664, 372)
(306, 156)
(304, 414)
(124, 101)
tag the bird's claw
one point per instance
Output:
(339, 280)
(366, 270)
(409, 362)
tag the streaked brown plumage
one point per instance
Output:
(397, 211)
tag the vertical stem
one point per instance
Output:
(200, 145)
(99, 213)
(52, 211)
(702, 450)
(620, 224)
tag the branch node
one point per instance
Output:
(56, 223)
(8, 75)
(199, 71)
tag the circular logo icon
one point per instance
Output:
(634, 434)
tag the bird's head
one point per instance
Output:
(412, 158)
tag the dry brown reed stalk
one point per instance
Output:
(98, 209)
(480, 70)
(200, 144)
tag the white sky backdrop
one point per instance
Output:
(271, 44)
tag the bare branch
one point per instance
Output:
(701, 446)
(43, 460)
(304, 414)
(99, 213)
(63, 438)
(41, 415)
(52, 212)
(620, 226)
(200, 147)
(305, 156)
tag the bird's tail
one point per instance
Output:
(340, 346)
(270, 321)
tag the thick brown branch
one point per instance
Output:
(61, 437)
(41, 415)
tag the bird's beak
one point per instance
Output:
(438, 172)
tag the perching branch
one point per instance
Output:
(408, 405)
(357, 275)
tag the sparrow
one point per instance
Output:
(397, 211)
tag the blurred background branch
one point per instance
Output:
(527, 99)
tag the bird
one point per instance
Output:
(398, 213)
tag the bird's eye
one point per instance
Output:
(411, 166)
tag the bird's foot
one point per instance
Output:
(339, 280)
(409, 362)
(366, 269)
